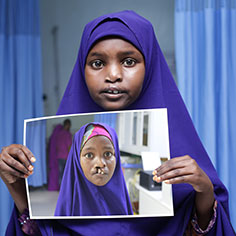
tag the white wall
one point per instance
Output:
(71, 16)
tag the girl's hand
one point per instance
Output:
(186, 170)
(183, 170)
(15, 163)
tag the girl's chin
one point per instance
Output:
(100, 181)
(113, 106)
(100, 184)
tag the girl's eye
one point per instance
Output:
(129, 62)
(97, 64)
(108, 154)
(89, 155)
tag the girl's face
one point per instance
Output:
(98, 161)
(114, 73)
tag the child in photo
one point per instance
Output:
(93, 182)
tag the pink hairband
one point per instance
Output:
(94, 130)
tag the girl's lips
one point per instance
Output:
(113, 97)
(113, 94)
(100, 175)
(100, 172)
(113, 90)
(109, 91)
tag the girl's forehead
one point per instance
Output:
(112, 41)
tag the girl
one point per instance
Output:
(113, 48)
(93, 182)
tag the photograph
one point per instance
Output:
(98, 165)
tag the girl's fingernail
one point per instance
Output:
(167, 181)
(25, 176)
(158, 179)
(33, 159)
(30, 168)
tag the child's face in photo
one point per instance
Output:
(114, 73)
(98, 160)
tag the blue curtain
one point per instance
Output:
(109, 119)
(205, 42)
(36, 142)
(20, 78)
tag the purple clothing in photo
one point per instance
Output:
(159, 90)
(64, 142)
(79, 197)
(59, 144)
(53, 173)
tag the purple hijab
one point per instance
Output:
(159, 90)
(79, 197)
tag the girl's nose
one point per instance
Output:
(100, 162)
(114, 73)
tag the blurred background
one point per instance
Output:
(39, 42)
